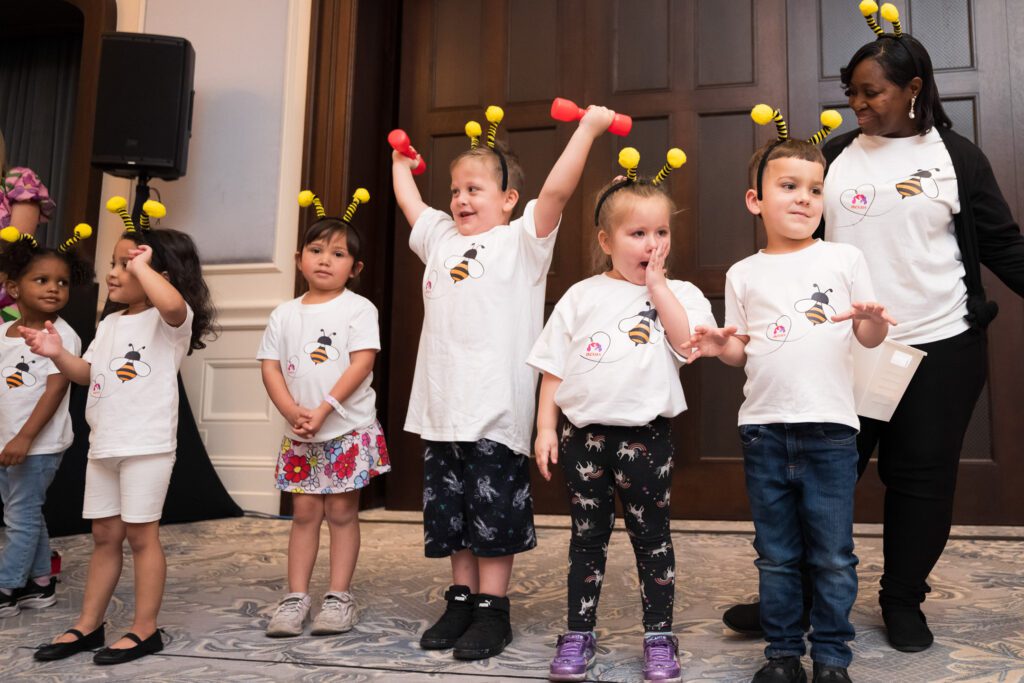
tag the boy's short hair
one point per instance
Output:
(516, 178)
(790, 149)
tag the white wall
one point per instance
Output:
(238, 202)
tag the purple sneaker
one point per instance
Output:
(573, 657)
(661, 661)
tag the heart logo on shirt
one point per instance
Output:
(779, 330)
(596, 347)
(430, 284)
(96, 386)
(859, 199)
(292, 367)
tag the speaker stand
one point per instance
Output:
(141, 196)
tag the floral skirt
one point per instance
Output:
(343, 464)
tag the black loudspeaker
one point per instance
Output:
(144, 105)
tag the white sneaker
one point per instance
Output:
(290, 617)
(337, 615)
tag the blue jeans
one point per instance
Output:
(23, 490)
(800, 481)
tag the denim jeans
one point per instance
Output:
(800, 481)
(26, 554)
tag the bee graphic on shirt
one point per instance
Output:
(322, 349)
(814, 307)
(130, 365)
(461, 267)
(920, 182)
(642, 327)
(19, 375)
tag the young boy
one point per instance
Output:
(472, 399)
(798, 424)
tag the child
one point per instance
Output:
(798, 424)
(131, 368)
(610, 355)
(472, 395)
(35, 427)
(317, 356)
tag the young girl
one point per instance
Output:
(610, 355)
(317, 355)
(35, 428)
(131, 367)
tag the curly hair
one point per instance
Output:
(175, 253)
(17, 257)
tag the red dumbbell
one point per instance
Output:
(399, 141)
(566, 110)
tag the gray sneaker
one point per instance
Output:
(337, 615)
(290, 616)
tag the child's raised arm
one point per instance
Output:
(159, 290)
(546, 446)
(406, 193)
(565, 174)
(17, 448)
(670, 310)
(47, 342)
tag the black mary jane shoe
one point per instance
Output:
(151, 645)
(55, 651)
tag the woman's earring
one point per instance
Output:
(913, 101)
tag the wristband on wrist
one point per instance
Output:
(333, 402)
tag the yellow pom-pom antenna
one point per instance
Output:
(494, 116)
(673, 160)
(151, 209)
(10, 234)
(83, 231)
(892, 15)
(474, 132)
(119, 205)
(361, 196)
(763, 114)
(868, 9)
(629, 159)
(830, 120)
(307, 197)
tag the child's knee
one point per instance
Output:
(108, 531)
(142, 536)
(307, 510)
(342, 511)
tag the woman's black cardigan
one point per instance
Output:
(985, 229)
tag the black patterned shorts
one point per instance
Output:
(476, 495)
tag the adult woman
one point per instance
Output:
(24, 203)
(923, 205)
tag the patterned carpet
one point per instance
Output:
(225, 576)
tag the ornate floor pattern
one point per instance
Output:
(225, 577)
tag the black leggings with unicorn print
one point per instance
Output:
(599, 460)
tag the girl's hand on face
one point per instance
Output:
(709, 341)
(865, 310)
(46, 342)
(655, 274)
(140, 256)
(546, 451)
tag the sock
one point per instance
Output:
(42, 581)
(651, 634)
(5, 591)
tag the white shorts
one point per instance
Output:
(132, 487)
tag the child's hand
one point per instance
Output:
(546, 451)
(46, 342)
(865, 310)
(399, 159)
(709, 341)
(656, 267)
(314, 422)
(138, 257)
(597, 120)
(15, 451)
(297, 417)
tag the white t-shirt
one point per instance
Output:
(799, 363)
(132, 407)
(24, 381)
(483, 307)
(894, 199)
(605, 342)
(313, 343)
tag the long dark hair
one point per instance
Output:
(902, 59)
(175, 253)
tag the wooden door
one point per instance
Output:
(969, 47)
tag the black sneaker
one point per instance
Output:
(9, 605)
(823, 673)
(781, 670)
(458, 615)
(34, 596)
(490, 631)
(746, 619)
(907, 629)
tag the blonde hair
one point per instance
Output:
(613, 208)
(516, 177)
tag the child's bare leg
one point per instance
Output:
(150, 577)
(466, 570)
(108, 536)
(342, 510)
(304, 539)
(495, 573)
